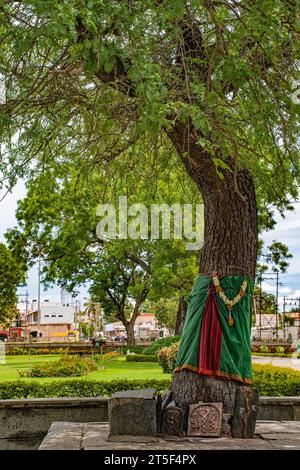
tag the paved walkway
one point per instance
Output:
(270, 435)
(291, 362)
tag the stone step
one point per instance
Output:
(269, 435)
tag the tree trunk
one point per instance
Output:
(230, 249)
(181, 314)
(129, 325)
(130, 333)
(230, 212)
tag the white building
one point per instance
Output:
(145, 329)
(55, 323)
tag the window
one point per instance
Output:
(46, 316)
(60, 315)
(53, 316)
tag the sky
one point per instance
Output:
(286, 231)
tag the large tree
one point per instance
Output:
(58, 219)
(216, 77)
(11, 275)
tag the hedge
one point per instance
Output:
(161, 343)
(75, 388)
(276, 355)
(140, 358)
(135, 348)
(270, 380)
(271, 348)
(276, 381)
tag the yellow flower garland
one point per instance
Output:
(229, 303)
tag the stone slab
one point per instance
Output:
(95, 437)
(245, 412)
(278, 436)
(272, 427)
(134, 413)
(63, 437)
(145, 394)
(172, 420)
(131, 439)
(205, 419)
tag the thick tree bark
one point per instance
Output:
(230, 249)
(230, 212)
(129, 325)
(130, 333)
(181, 314)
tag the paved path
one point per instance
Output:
(291, 362)
(269, 435)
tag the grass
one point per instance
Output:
(114, 369)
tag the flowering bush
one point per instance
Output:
(107, 357)
(167, 357)
(67, 366)
(45, 351)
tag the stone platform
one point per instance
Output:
(269, 435)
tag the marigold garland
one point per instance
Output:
(229, 303)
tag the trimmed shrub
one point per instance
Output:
(161, 343)
(16, 351)
(137, 349)
(288, 348)
(75, 388)
(279, 350)
(140, 358)
(270, 380)
(276, 381)
(264, 349)
(167, 357)
(72, 366)
(277, 355)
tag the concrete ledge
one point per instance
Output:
(64, 402)
(281, 401)
(33, 417)
(30, 418)
(279, 408)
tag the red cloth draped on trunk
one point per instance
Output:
(211, 336)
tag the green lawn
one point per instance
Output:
(115, 369)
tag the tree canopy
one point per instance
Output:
(58, 219)
(11, 275)
(87, 80)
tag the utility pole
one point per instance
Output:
(277, 293)
(296, 301)
(260, 305)
(272, 277)
(283, 318)
(26, 295)
(39, 297)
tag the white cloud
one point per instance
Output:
(288, 231)
(8, 207)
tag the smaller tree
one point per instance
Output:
(265, 301)
(11, 275)
(165, 311)
(275, 257)
(121, 283)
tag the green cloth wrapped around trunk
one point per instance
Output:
(209, 346)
